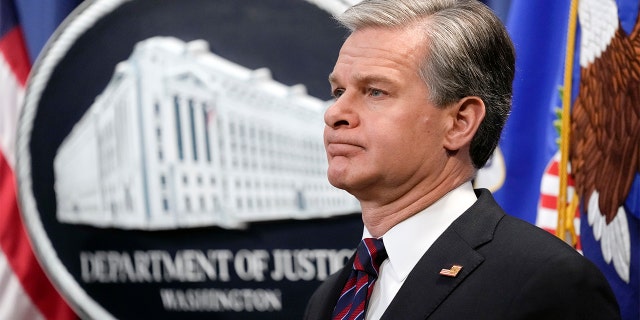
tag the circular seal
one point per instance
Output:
(170, 159)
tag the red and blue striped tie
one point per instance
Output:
(353, 299)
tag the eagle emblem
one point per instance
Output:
(605, 126)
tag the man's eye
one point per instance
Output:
(376, 92)
(337, 93)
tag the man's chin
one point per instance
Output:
(339, 180)
(338, 183)
(348, 178)
(341, 183)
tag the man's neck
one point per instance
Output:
(380, 218)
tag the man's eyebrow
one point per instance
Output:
(372, 78)
(332, 78)
(363, 78)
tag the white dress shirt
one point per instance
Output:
(408, 241)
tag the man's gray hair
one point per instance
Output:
(470, 54)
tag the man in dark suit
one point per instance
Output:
(422, 90)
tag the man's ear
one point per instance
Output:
(466, 116)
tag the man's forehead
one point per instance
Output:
(395, 45)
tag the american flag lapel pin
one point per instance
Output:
(453, 272)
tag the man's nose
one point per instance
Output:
(342, 113)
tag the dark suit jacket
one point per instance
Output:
(510, 270)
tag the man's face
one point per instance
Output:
(382, 135)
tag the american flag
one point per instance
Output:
(547, 217)
(25, 290)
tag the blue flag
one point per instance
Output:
(538, 30)
(603, 145)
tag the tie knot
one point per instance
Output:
(369, 256)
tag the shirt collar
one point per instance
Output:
(408, 241)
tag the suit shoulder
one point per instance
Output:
(523, 235)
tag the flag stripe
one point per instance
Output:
(14, 303)
(15, 54)
(11, 94)
(549, 201)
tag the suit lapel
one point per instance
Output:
(425, 288)
(328, 293)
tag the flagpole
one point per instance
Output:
(566, 229)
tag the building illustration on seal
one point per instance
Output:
(181, 138)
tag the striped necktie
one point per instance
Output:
(353, 299)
